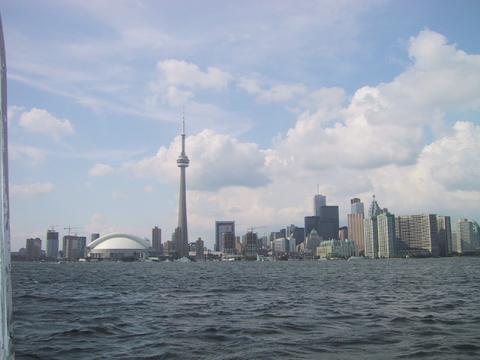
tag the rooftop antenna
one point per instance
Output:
(318, 188)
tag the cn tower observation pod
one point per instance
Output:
(117, 246)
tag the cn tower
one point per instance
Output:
(182, 231)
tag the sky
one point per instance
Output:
(359, 98)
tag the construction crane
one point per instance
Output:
(70, 228)
(52, 227)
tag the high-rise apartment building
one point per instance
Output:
(465, 236)
(74, 247)
(157, 240)
(52, 244)
(445, 243)
(221, 228)
(417, 235)
(370, 230)
(251, 244)
(386, 235)
(34, 248)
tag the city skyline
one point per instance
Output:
(366, 109)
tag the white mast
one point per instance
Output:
(6, 348)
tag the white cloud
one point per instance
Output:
(13, 112)
(41, 121)
(35, 155)
(99, 224)
(275, 93)
(31, 189)
(100, 169)
(177, 80)
(185, 74)
(148, 188)
(217, 161)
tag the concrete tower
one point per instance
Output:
(181, 241)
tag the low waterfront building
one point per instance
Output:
(336, 249)
(117, 246)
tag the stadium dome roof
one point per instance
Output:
(119, 241)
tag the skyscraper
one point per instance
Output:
(222, 228)
(386, 235)
(157, 240)
(319, 200)
(417, 235)
(34, 248)
(357, 206)
(182, 238)
(94, 236)
(355, 224)
(465, 236)
(74, 246)
(199, 249)
(52, 244)
(444, 227)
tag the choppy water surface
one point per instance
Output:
(425, 308)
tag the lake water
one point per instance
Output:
(364, 309)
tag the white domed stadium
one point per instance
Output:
(118, 246)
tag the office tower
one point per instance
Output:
(445, 245)
(221, 228)
(228, 242)
(356, 206)
(329, 222)
(157, 240)
(199, 249)
(52, 244)
(319, 200)
(34, 248)
(464, 236)
(94, 236)
(417, 235)
(298, 233)
(182, 236)
(355, 231)
(370, 236)
(374, 209)
(343, 233)
(74, 247)
(386, 235)
(326, 224)
(251, 244)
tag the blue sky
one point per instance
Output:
(360, 97)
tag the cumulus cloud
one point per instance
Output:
(33, 154)
(100, 169)
(217, 160)
(31, 189)
(42, 122)
(275, 93)
(177, 80)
